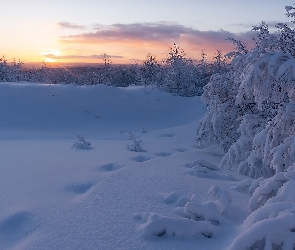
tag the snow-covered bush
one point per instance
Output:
(181, 75)
(219, 124)
(4, 69)
(266, 189)
(136, 146)
(203, 164)
(203, 212)
(10, 72)
(241, 149)
(176, 74)
(271, 225)
(160, 226)
(251, 109)
(222, 199)
(151, 73)
(82, 143)
(197, 220)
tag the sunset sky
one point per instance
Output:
(67, 31)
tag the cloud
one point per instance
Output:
(130, 32)
(149, 33)
(67, 25)
(138, 39)
(74, 57)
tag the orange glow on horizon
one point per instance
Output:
(126, 52)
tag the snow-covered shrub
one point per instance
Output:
(163, 226)
(266, 189)
(280, 187)
(136, 146)
(241, 149)
(219, 124)
(219, 64)
(251, 109)
(197, 219)
(204, 169)
(204, 71)
(4, 69)
(244, 185)
(123, 76)
(82, 143)
(203, 212)
(176, 74)
(271, 225)
(273, 147)
(202, 163)
(151, 72)
(222, 199)
(10, 72)
(255, 184)
(181, 75)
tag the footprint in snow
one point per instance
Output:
(79, 188)
(164, 154)
(141, 158)
(181, 150)
(110, 167)
(16, 228)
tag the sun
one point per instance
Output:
(50, 55)
(49, 60)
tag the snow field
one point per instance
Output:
(170, 195)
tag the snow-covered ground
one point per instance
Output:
(55, 196)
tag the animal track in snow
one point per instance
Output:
(181, 150)
(164, 154)
(16, 228)
(141, 158)
(110, 167)
(79, 188)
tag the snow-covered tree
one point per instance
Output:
(151, 71)
(180, 73)
(10, 72)
(251, 108)
(219, 126)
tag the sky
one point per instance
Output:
(67, 31)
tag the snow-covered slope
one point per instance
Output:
(68, 110)
(167, 196)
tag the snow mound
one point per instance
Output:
(160, 226)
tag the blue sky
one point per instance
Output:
(67, 30)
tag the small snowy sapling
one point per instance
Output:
(136, 146)
(82, 143)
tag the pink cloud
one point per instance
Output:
(152, 36)
(68, 25)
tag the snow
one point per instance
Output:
(101, 194)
